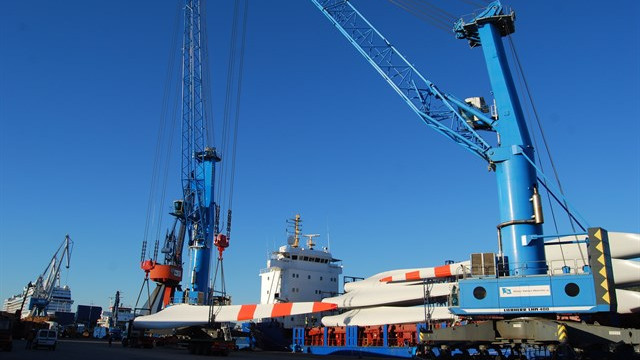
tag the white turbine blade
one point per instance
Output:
(183, 315)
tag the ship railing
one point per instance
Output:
(572, 266)
(543, 267)
(266, 270)
(552, 267)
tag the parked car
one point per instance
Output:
(46, 338)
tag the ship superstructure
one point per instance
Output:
(60, 301)
(295, 274)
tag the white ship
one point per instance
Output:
(299, 274)
(45, 296)
(109, 319)
(60, 301)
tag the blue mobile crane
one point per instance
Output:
(499, 292)
(198, 164)
(197, 214)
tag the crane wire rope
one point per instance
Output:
(221, 178)
(227, 103)
(231, 112)
(444, 13)
(226, 174)
(537, 154)
(169, 147)
(151, 205)
(238, 97)
(436, 21)
(473, 3)
(536, 116)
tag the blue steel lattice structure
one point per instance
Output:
(198, 161)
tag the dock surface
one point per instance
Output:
(100, 350)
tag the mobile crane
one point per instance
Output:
(197, 214)
(200, 312)
(516, 282)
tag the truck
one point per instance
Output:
(137, 338)
(213, 340)
(6, 332)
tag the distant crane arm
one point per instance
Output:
(438, 110)
(43, 288)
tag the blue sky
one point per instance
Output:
(321, 134)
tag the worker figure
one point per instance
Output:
(30, 336)
(109, 338)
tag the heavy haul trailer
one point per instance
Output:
(513, 337)
(567, 315)
(516, 297)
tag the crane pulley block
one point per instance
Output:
(494, 14)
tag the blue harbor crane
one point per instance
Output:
(197, 224)
(511, 156)
(516, 281)
(198, 163)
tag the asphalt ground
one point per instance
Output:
(100, 350)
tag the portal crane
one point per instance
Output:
(50, 277)
(521, 283)
(196, 215)
(198, 163)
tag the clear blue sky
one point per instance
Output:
(321, 134)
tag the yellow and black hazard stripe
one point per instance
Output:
(561, 332)
(600, 262)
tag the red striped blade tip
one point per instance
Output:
(321, 306)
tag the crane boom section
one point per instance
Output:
(198, 160)
(438, 110)
(43, 289)
(193, 137)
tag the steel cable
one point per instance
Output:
(542, 134)
(435, 21)
(161, 132)
(238, 97)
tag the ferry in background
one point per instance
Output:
(59, 306)
(294, 274)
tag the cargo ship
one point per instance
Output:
(294, 273)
